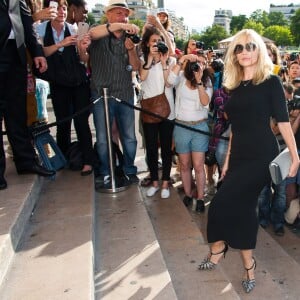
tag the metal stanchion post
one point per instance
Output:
(115, 185)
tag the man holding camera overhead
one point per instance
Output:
(113, 57)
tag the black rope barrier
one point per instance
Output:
(40, 128)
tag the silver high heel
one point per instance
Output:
(206, 264)
(249, 284)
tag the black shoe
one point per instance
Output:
(187, 200)
(87, 172)
(279, 231)
(132, 178)
(3, 183)
(36, 169)
(200, 207)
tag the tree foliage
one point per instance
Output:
(251, 24)
(295, 25)
(237, 23)
(280, 34)
(277, 18)
(212, 35)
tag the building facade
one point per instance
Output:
(287, 10)
(223, 18)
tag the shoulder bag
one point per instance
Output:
(158, 105)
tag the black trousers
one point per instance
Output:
(66, 101)
(13, 89)
(162, 133)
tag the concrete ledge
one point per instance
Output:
(55, 257)
(16, 205)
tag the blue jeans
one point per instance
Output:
(271, 209)
(41, 95)
(125, 118)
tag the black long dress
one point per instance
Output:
(232, 213)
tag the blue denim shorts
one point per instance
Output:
(190, 141)
(295, 179)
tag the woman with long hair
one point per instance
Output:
(256, 96)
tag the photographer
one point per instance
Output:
(193, 94)
(113, 57)
(155, 65)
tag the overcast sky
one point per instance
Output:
(200, 14)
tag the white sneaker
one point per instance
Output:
(151, 191)
(165, 193)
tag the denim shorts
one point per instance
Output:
(295, 179)
(190, 141)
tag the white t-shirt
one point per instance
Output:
(187, 104)
(154, 84)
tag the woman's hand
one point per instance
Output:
(68, 41)
(84, 43)
(294, 168)
(48, 13)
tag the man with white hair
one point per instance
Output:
(113, 57)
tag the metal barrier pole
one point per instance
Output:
(115, 185)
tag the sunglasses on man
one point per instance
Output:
(239, 48)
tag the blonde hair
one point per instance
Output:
(233, 71)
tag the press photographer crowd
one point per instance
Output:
(222, 115)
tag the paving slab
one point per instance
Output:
(129, 262)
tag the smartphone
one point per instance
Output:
(53, 4)
(83, 28)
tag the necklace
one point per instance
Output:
(246, 82)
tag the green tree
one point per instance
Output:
(260, 16)
(281, 35)
(295, 25)
(258, 27)
(90, 19)
(138, 23)
(237, 23)
(212, 35)
(277, 18)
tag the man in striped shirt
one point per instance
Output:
(113, 57)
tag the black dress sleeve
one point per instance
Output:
(278, 102)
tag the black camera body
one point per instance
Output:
(199, 45)
(134, 37)
(162, 47)
(194, 66)
(294, 103)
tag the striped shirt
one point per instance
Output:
(109, 64)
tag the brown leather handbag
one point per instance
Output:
(158, 105)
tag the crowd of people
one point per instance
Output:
(249, 103)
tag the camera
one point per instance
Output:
(294, 103)
(134, 37)
(194, 66)
(162, 47)
(199, 45)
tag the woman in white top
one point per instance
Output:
(193, 93)
(154, 72)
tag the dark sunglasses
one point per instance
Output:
(239, 48)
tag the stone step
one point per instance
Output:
(128, 260)
(16, 205)
(55, 257)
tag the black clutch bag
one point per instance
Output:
(280, 166)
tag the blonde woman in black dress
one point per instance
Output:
(256, 96)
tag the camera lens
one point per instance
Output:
(162, 47)
(194, 67)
